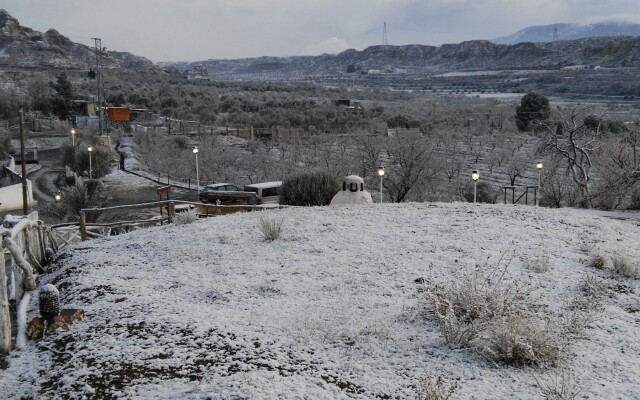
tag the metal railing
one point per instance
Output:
(524, 194)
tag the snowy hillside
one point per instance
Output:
(338, 307)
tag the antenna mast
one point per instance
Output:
(555, 33)
(384, 34)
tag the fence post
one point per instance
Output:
(83, 226)
(171, 212)
(5, 318)
(189, 183)
(29, 282)
(168, 182)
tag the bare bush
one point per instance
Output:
(457, 332)
(463, 308)
(186, 217)
(539, 264)
(559, 385)
(436, 389)
(518, 340)
(270, 226)
(624, 267)
(495, 317)
(575, 320)
(594, 290)
(586, 245)
(597, 261)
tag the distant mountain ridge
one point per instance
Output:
(545, 33)
(472, 55)
(25, 48)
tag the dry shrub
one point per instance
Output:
(575, 321)
(495, 317)
(186, 217)
(463, 307)
(594, 291)
(520, 341)
(270, 225)
(559, 384)
(436, 389)
(457, 332)
(539, 265)
(580, 313)
(597, 261)
(623, 267)
(586, 246)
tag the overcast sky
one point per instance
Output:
(194, 30)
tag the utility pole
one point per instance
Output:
(555, 33)
(23, 162)
(98, 46)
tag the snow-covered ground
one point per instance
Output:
(335, 308)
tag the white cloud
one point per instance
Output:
(331, 45)
(635, 18)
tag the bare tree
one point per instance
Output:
(570, 138)
(556, 189)
(451, 161)
(617, 170)
(411, 162)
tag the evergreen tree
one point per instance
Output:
(62, 99)
(533, 107)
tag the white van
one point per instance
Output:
(266, 192)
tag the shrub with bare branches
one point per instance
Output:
(270, 225)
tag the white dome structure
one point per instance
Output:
(352, 192)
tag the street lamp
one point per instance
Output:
(475, 175)
(57, 197)
(73, 137)
(195, 151)
(381, 173)
(539, 166)
(90, 150)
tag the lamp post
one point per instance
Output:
(475, 175)
(539, 166)
(90, 150)
(73, 137)
(381, 173)
(195, 151)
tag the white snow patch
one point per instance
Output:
(333, 309)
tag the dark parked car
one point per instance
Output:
(226, 194)
(217, 187)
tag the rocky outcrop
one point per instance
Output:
(22, 47)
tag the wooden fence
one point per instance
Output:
(25, 247)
